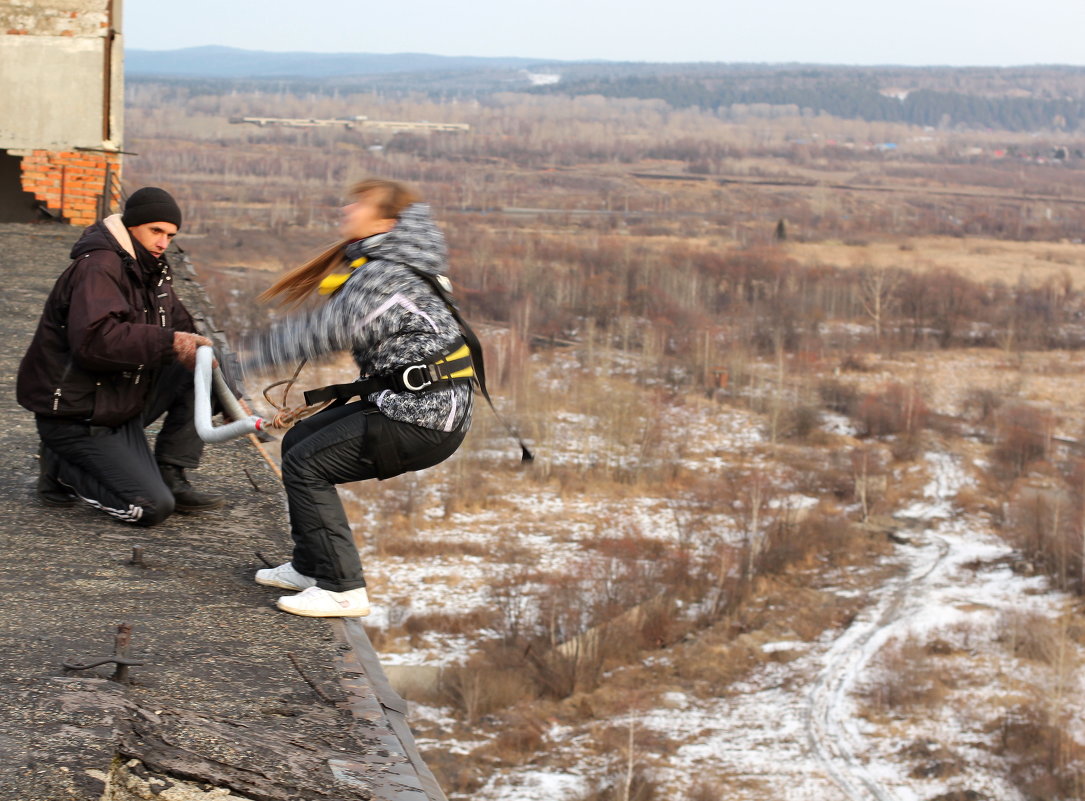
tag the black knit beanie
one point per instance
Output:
(151, 204)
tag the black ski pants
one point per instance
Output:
(351, 442)
(114, 469)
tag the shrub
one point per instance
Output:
(1030, 635)
(521, 734)
(854, 363)
(980, 404)
(454, 773)
(933, 760)
(475, 691)
(640, 788)
(893, 409)
(705, 791)
(908, 679)
(870, 472)
(1022, 436)
(419, 546)
(1043, 523)
(1044, 759)
(799, 421)
(451, 622)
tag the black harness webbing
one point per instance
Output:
(455, 366)
(451, 367)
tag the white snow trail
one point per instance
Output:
(830, 728)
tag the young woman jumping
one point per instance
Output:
(410, 406)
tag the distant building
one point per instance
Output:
(354, 122)
(61, 109)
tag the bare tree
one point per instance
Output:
(877, 290)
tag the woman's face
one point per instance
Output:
(364, 217)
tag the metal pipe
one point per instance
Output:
(205, 378)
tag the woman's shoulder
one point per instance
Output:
(389, 274)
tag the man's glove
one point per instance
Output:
(185, 344)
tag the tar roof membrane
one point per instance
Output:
(232, 693)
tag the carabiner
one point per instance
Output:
(405, 378)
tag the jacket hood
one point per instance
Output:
(108, 234)
(414, 240)
(111, 234)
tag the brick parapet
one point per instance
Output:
(71, 183)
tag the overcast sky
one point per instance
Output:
(910, 32)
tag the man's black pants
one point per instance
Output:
(352, 442)
(113, 469)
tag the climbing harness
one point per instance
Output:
(459, 364)
(443, 287)
(454, 366)
(447, 368)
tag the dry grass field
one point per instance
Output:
(983, 260)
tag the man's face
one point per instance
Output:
(155, 236)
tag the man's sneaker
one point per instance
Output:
(316, 602)
(285, 577)
(185, 498)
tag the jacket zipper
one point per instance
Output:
(161, 310)
(60, 384)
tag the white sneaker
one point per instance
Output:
(285, 577)
(317, 602)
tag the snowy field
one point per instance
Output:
(794, 729)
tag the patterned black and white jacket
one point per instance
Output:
(387, 317)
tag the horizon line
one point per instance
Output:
(616, 62)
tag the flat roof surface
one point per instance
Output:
(232, 693)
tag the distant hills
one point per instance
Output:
(1033, 98)
(231, 62)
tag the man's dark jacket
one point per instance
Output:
(107, 326)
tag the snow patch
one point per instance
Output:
(543, 78)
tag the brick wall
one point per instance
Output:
(71, 183)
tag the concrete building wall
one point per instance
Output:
(62, 104)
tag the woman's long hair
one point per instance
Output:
(299, 283)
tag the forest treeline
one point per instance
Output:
(842, 95)
(1017, 99)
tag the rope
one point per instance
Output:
(285, 415)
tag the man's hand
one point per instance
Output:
(185, 344)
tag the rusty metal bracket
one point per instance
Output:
(120, 657)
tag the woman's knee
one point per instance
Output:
(289, 440)
(299, 433)
(298, 472)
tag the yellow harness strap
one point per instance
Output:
(460, 353)
(330, 284)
